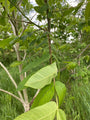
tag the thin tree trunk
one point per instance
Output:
(48, 28)
(16, 47)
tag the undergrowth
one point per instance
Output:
(9, 106)
(76, 105)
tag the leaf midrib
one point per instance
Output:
(44, 77)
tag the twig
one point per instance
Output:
(23, 30)
(33, 16)
(9, 93)
(62, 69)
(30, 22)
(24, 55)
(83, 51)
(88, 66)
(19, 2)
(13, 81)
(34, 97)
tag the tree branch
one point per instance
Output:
(83, 51)
(30, 22)
(23, 30)
(13, 81)
(49, 28)
(24, 55)
(34, 97)
(9, 93)
(88, 66)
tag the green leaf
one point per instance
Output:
(78, 7)
(1, 0)
(6, 42)
(7, 6)
(15, 63)
(42, 77)
(44, 112)
(61, 91)
(22, 83)
(87, 58)
(61, 115)
(44, 96)
(41, 9)
(87, 12)
(36, 62)
(68, 11)
(73, 9)
(40, 2)
(86, 28)
(71, 65)
(13, 2)
(3, 18)
(51, 2)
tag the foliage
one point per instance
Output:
(38, 81)
(42, 77)
(45, 95)
(41, 112)
(61, 91)
(78, 101)
(30, 46)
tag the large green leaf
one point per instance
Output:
(61, 115)
(61, 91)
(43, 77)
(44, 112)
(44, 96)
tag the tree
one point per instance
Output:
(50, 10)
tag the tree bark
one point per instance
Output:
(16, 47)
(49, 28)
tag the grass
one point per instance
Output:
(77, 105)
(9, 107)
